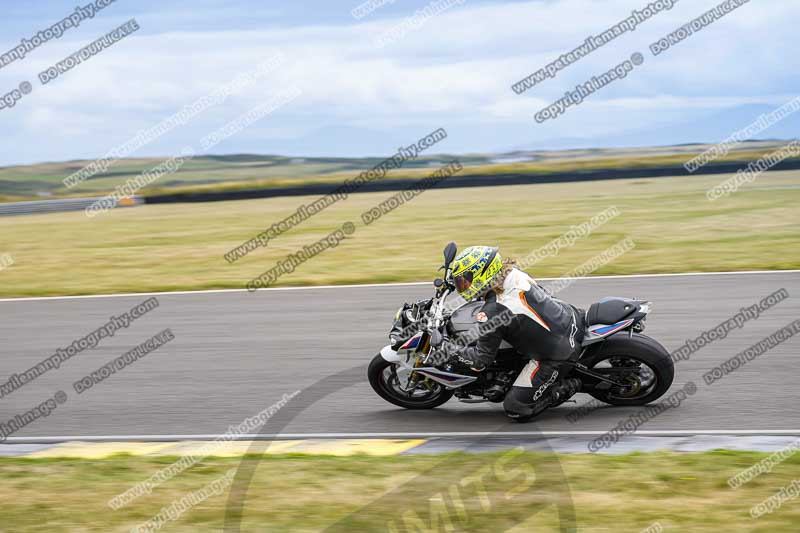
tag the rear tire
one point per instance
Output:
(639, 348)
(379, 374)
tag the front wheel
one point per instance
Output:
(640, 362)
(391, 384)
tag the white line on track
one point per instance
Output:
(407, 284)
(401, 435)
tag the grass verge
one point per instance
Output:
(181, 246)
(500, 491)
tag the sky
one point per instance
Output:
(361, 95)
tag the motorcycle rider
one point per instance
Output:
(535, 323)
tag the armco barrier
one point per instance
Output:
(57, 205)
(488, 180)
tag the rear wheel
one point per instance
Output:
(393, 384)
(641, 363)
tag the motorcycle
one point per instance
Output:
(618, 364)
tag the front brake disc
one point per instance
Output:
(404, 377)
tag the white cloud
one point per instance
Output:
(457, 69)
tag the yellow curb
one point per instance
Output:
(379, 447)
(228, 448)
(99, 450)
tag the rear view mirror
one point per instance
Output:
(449, 253)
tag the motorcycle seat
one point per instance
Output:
(610, 310)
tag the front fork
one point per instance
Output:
(392, 356)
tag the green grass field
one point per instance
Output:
(181, 246)
(513, 491)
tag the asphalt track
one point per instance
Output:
(236, 353)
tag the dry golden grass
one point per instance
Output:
(181, 246)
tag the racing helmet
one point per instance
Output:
(475, 270)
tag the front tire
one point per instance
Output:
(383, 378)
(654, 377)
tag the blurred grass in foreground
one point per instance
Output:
(680, 491)
(181, 246)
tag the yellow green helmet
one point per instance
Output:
(475, 269)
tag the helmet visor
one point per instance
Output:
(463, 281)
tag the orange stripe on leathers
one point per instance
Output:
(532, 310)
(535, 370)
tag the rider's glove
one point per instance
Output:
(463, 355)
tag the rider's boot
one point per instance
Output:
(565, 390)
(531, 392)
